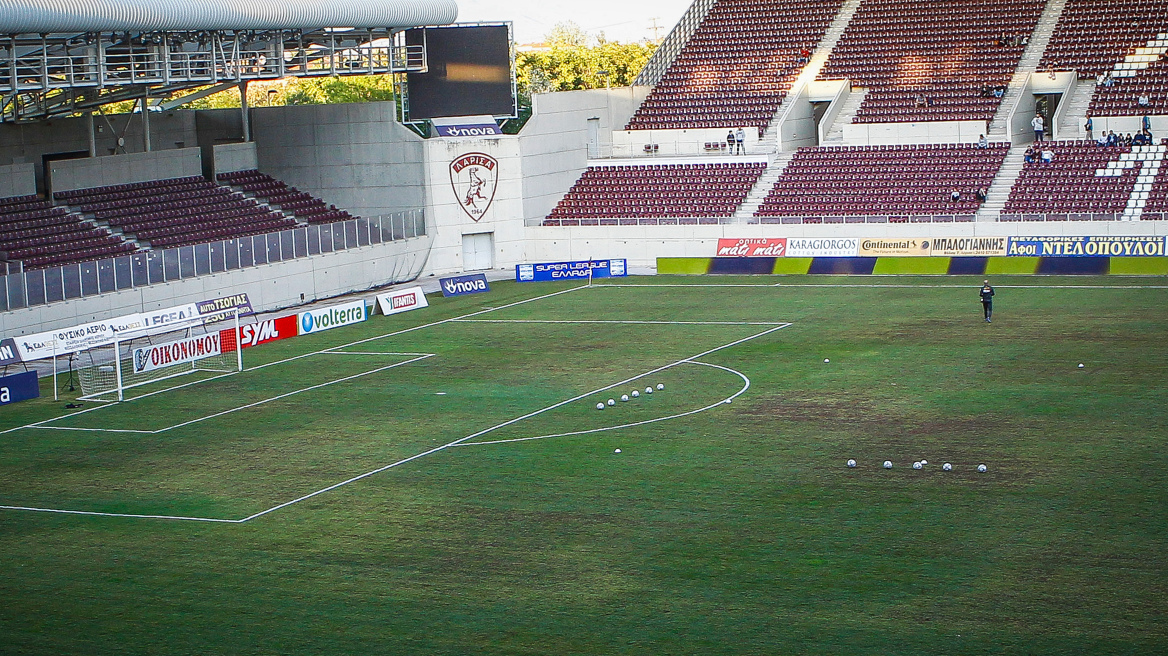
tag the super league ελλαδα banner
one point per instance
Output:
(1097, 246)
(581, 270)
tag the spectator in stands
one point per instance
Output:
(1100, 79)
(730, 140)
(981, 194)
(1146, 123)
(982, 142)
(1028, 156)
(999, 92)
(1047, 156)
(1038, 125)
(1102, 138)
(1108, 80)
(1050, 70)
(920, 100)
(955, 195)
(1112, 140)
(1088, 127)
(1140, 140)
(987, 91)
(740, 138)
(804, 56)
(1143, 100)
(1127, 139)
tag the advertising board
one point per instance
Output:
(260, 332)
(1105, 246)
(8, 353)
(895, 247)
(335, 316)
(584, 269)
(149, 358)
(19, 387)
(462, 285)
(752, 247)
(219, 309)
(969, 246)
(818, 247)
(402, 300)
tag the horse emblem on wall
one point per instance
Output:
(474, 177)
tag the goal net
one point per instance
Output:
(145, 356)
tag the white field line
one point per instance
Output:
(881, 286)
(724, 401)
(298, 357)
(631, 322)
(413, 457)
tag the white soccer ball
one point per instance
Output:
(635, 394)
(916, 465)
(888, 464)
(649, 390)
(599, 406)
(617, 451)
(947, 467)
(924, 462)
(981, 468)
(851, 463)
(1080, 365)
(612, 401)
(624, 397)
(660, 386)
(825, 361)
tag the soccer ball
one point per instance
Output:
(599, 406)
(635, 394)
(981, 468)
(660, 386)
(1080, 365)
(612, 402)
(947, 467)
(888, 464)
(825, 361)
(924, 462)
(617, 451)
(624, 397)
(649, 390)
(851, 463)
(916, 465)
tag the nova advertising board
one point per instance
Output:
(1107, 246)
(752, 247)
(969, 246)
(895, 247)
(19, 387)
(402, 300)
(149, 358)
(220, 308)
(462, 285)
(585, 269)
(314, 321)
(260, 332)
(8, 353)
(835, 247)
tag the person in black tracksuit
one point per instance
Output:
(987, 300)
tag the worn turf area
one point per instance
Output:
(733, 530)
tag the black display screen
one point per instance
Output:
(469, 72)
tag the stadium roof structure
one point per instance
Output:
(59, 57)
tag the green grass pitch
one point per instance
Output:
(720, 528)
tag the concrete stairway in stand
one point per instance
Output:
(1028, 64)
(999, 191)
(762, 187)
(835, 134)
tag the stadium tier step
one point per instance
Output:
(762, 187)
(289, 200)
(835, 135)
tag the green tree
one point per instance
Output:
(570, 64)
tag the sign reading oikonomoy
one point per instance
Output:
(1109, 246)
(460, 285)
(570, 270)
(150, 358)
(402, 300)
(314, 321)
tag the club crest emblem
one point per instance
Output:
(474, 177)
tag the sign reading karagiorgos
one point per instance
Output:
(1107, 246)
(546, 271)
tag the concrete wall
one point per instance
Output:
(17, 180)
(642, 245)
(930, 132)
(269, 287)
(226, 158)
(691, 142)
(353, 156)
(835, 92)
(122, 169)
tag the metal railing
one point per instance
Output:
(43, 286)
(651, 74)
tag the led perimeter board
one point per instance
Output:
(469, 72)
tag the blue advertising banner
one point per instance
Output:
(20, 387)
(8, 353)
(584, 269)
(1109, 246)
(462, 285)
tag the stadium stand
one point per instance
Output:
(39, 235)
(1089, 182)
(289, 200)
(1121, 97)
(932, 60)
(1092, 36)
(661, 194)
(737, 66)
(894, 184)
(176, 212)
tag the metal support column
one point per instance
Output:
(243, 108)
(92, 134)
(145, 104)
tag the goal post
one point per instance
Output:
(143, 356)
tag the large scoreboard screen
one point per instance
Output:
(469, 72)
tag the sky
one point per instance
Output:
(620, 20)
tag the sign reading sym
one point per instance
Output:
(474, 178)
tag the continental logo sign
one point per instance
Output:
(969, 246)
(896, 247)
(1107, 246)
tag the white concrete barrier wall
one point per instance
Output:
(124, 169)
(227, 158)
(924, 132)
(17, 180)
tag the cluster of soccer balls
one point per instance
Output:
(631, 395)
(920, 464)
